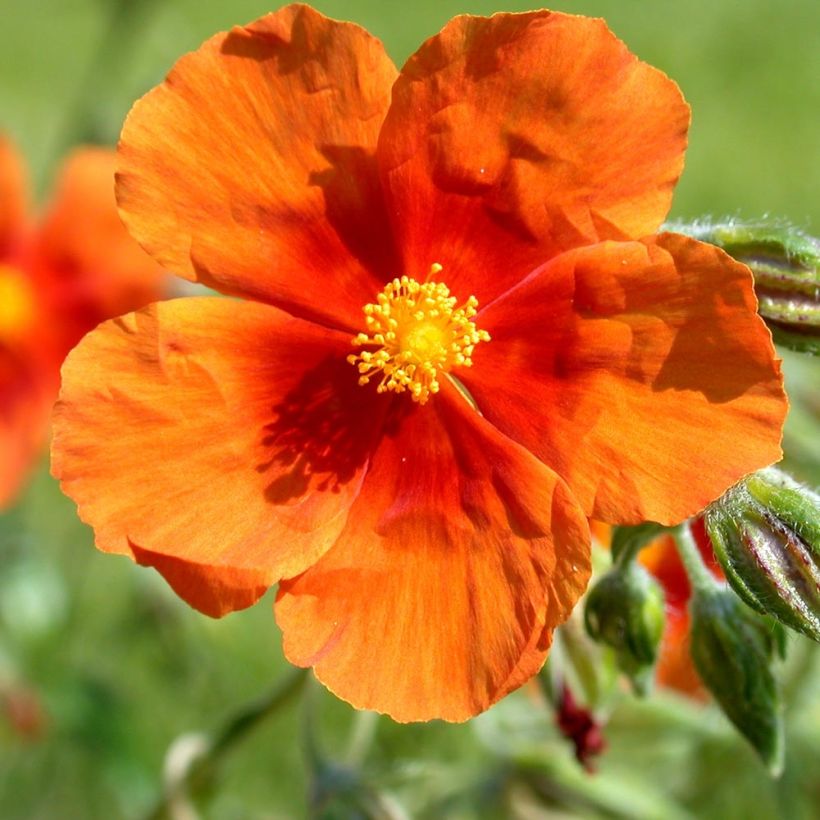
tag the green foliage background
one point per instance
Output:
(123, 668)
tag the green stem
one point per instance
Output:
(236, 728)
(314, 756)
(583, 659)
(254, 713)
(627, 542)
(362, 734)
(559, 783)
(546, 683)
(700, 578)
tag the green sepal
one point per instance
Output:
(799, 343)
(795, 505)
(732, 648)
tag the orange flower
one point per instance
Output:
(58, 279)
(409, 474)
(675, 667)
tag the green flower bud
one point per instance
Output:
(732, 649)
(786, 267)
(625, 610)
(766, 535)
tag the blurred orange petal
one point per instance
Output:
(204, 430)
(26, 395)
(515, 137)
(675, 669)
(662, 560)
(635, 370)
(460, 555)
(58, 279)
(86, 262)
(252, 167)
(13, 197)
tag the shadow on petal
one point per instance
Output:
(323, 432)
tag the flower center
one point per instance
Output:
(17, 308)
(415, 330)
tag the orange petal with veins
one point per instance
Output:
(252, 167)
(515, 137)
(214, 438)
(460, 555)
(639, 372)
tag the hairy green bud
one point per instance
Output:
(732, 648)
(625, 610)
(765, 532)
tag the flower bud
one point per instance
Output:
(580, 726)
(625, 610)
(786, 267)
(766, 535)
(732, 649)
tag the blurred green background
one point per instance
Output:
(120, 668)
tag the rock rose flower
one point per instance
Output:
(457, 338)
(60, 276)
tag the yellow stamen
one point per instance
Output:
(414, 331)
(17, 307)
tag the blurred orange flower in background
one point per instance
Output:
(59, 277)
(676, 669)
(425, 551)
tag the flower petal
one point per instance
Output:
(640, 372)
(221, 437)
(13, 197)
(252, 169)
(86, 263)
(515, 137)
(215, 590)
(460, 555)
(26, 395)
(675, 668)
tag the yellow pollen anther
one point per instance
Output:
(415, 330)
(17, 308)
